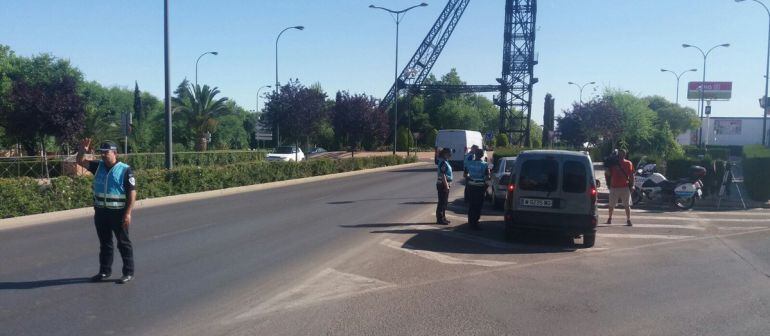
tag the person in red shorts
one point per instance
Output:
(620, 178)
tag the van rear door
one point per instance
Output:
(538, 188)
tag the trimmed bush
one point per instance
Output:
(142, 161)
(756, 172)
(715, 152)
(26, 196)
(505, 152)
(501, 140)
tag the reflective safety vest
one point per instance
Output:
(109, 192)
(448, 172)
(477, 172)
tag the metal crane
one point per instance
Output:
(515, 84)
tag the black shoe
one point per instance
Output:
(446, 221)
(125, 279)
(628, 223)
(100, 277)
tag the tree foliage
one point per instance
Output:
(358, 121)
(296, 110)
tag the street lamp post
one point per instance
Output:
(581, 87)
(397, 17)
(767, 74)
(678, 76)
(701, 104)
(277, 85)
(167, 89)
(196, 63)
(256, 109)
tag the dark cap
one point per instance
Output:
(108, 146)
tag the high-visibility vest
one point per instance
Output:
(448, 172)
(109, 191)
(477, 172)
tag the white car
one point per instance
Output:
(286, 154)
(500, 179)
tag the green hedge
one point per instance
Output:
(756, 172)
(715, 169)
(25, 196)
(141, 161)
(715, 152)
(502, 152)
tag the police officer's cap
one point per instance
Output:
(108, 146)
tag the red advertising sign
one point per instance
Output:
(711, 90)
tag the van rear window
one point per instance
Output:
(574, 177)
(539, 175)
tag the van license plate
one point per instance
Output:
(539, 203)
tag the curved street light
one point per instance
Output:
(256, 109)
(581, 87)
(397, 17)
(767, 74)
(678, 76)
(196, 63)
(277, 85)
(701, 105)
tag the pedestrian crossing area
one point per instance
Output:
(456, 245)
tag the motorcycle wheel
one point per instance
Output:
(636, 196)
(684, 203)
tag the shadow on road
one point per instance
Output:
(384, 225)
(42, 283)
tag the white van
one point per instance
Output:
(460, 142)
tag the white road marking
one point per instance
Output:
(665, 226)
(741, 227)
(696, 219)
(442, 258)
(642, 236)
(327, 285)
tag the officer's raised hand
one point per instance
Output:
(85, 144)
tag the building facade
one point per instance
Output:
(726, 131)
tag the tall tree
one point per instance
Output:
(199, 108)
(138, 114)
(548, 119)
(45, 109)
(296, 110)
(357, 120)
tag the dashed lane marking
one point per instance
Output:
(442, 258)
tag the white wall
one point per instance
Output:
(748, 133)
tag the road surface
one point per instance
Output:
(361, 255)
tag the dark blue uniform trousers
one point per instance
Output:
(109, 222)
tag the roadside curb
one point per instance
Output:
(49, 217)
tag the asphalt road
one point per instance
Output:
(361, 256)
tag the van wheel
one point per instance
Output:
(589, 239)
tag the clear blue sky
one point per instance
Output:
(347, 46)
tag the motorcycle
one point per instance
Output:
(650, 185)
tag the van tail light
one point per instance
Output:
(593, 193)
(511, 188)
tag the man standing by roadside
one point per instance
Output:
(478, 172)
(443, 183)
(114, 190)
(620, 178)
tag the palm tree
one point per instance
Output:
(200, 109)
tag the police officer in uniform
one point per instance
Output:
(467, 159)
(114, 190)
(478, 173)
(443, 183)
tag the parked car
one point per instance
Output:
(501, 177)
(553, 190)
(286, 153)
(315, 152)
